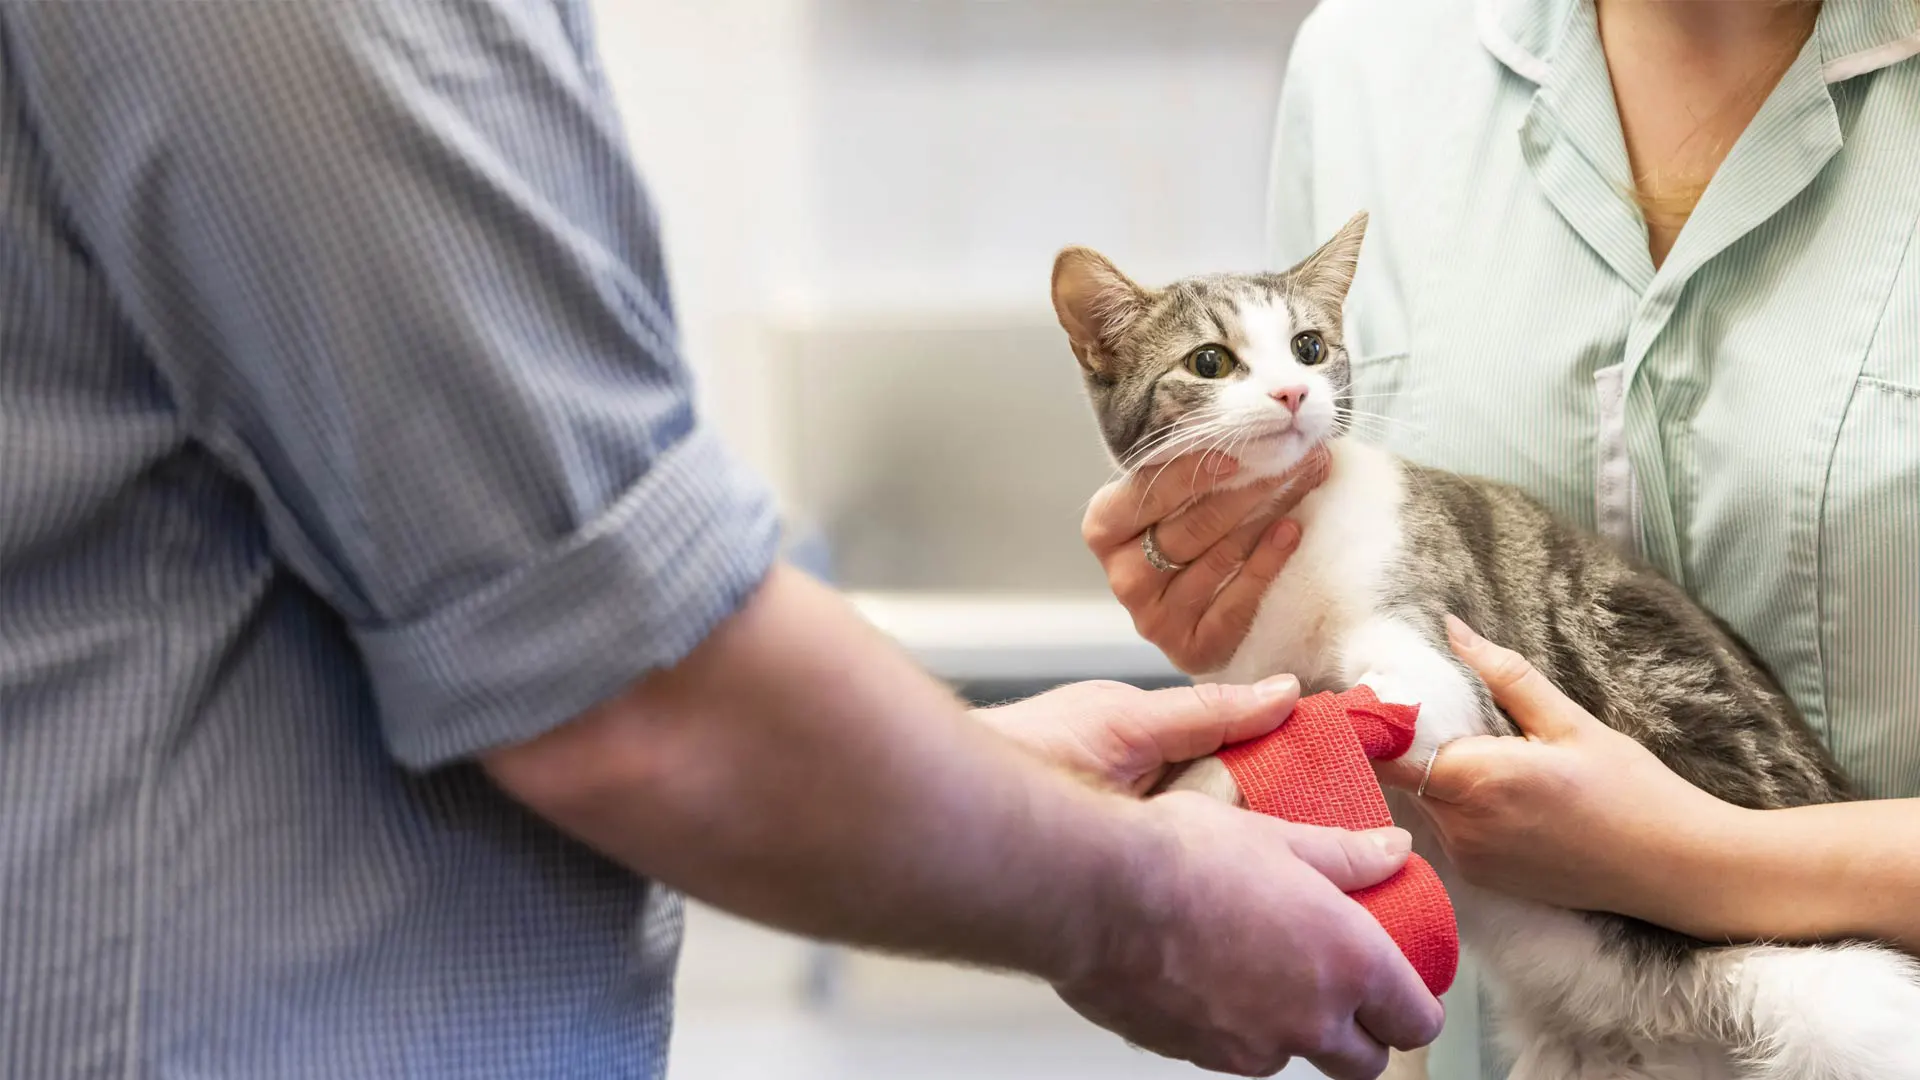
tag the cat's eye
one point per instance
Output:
(1309, 348)
(1211, 362)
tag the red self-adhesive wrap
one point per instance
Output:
(1314, 769)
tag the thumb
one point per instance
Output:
(1350, 860)
(1188, 722)
(1517, 686)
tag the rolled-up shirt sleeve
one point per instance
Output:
(395, 268)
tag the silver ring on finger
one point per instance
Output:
(1421, 791)
(1154, 558)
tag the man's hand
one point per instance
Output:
(1251, 952)
(1232, 543)
(797, 769)
(1126, 737)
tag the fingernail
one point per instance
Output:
(1461, 633)
(1394, 843)
(1220, 464)
(1284, 534)
(1275, 687)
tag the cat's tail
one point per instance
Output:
(1829, 1012)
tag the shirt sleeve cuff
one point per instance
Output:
(632, 592)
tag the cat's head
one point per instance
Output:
(1251, 364)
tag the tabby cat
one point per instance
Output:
(1257, 364)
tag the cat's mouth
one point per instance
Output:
(1268, 448)
(1290, 432)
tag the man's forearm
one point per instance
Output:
(798, 770)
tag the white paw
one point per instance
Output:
(1208, 776)
(1400, 666)
(1390, 688)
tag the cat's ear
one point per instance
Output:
(1327, 274)
(1096, 303)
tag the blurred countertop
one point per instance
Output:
(969, 638)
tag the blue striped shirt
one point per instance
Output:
(342, 436)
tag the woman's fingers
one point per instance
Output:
(1534, 703)
(1122, 510)
(1452, 774)
(1227, 544)
(1189, 533)
(1225, 621)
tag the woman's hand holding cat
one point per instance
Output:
(1230, 542)
(1573, 813)
(1578, 815)
(1125, 737)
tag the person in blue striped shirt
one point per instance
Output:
(384, 638)
(1658, 264)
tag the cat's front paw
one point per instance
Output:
(1448, 708)
(1210, 777)
(1389, 688)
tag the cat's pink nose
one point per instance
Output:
(1292, 397)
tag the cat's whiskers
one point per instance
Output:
(1191, 431)
(1172, 450)
(1351, 419)
(1192, 426)
(1215, 436)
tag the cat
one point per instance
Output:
(1257, 364)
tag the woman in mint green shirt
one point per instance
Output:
(1658, 264)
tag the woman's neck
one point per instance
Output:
(1688, 77)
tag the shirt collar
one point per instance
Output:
(1854, 36)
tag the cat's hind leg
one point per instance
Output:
(1552, 1057)
(1840, 1012)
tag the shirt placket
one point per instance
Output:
(1572, 144)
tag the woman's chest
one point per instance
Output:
(1751, 424)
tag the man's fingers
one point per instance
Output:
(1188, 722)
(1355, 1055)
(1400, 1012)
(1350, 860)
(1517, 686)
(1123, 509)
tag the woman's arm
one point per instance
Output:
(1579, 815)
(1819, 872)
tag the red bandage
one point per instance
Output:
(1314, 770)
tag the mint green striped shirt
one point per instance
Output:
(1747, 415)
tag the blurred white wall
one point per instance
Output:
(836, 160)
(714, 93)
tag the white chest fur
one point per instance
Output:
(1350, 533)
